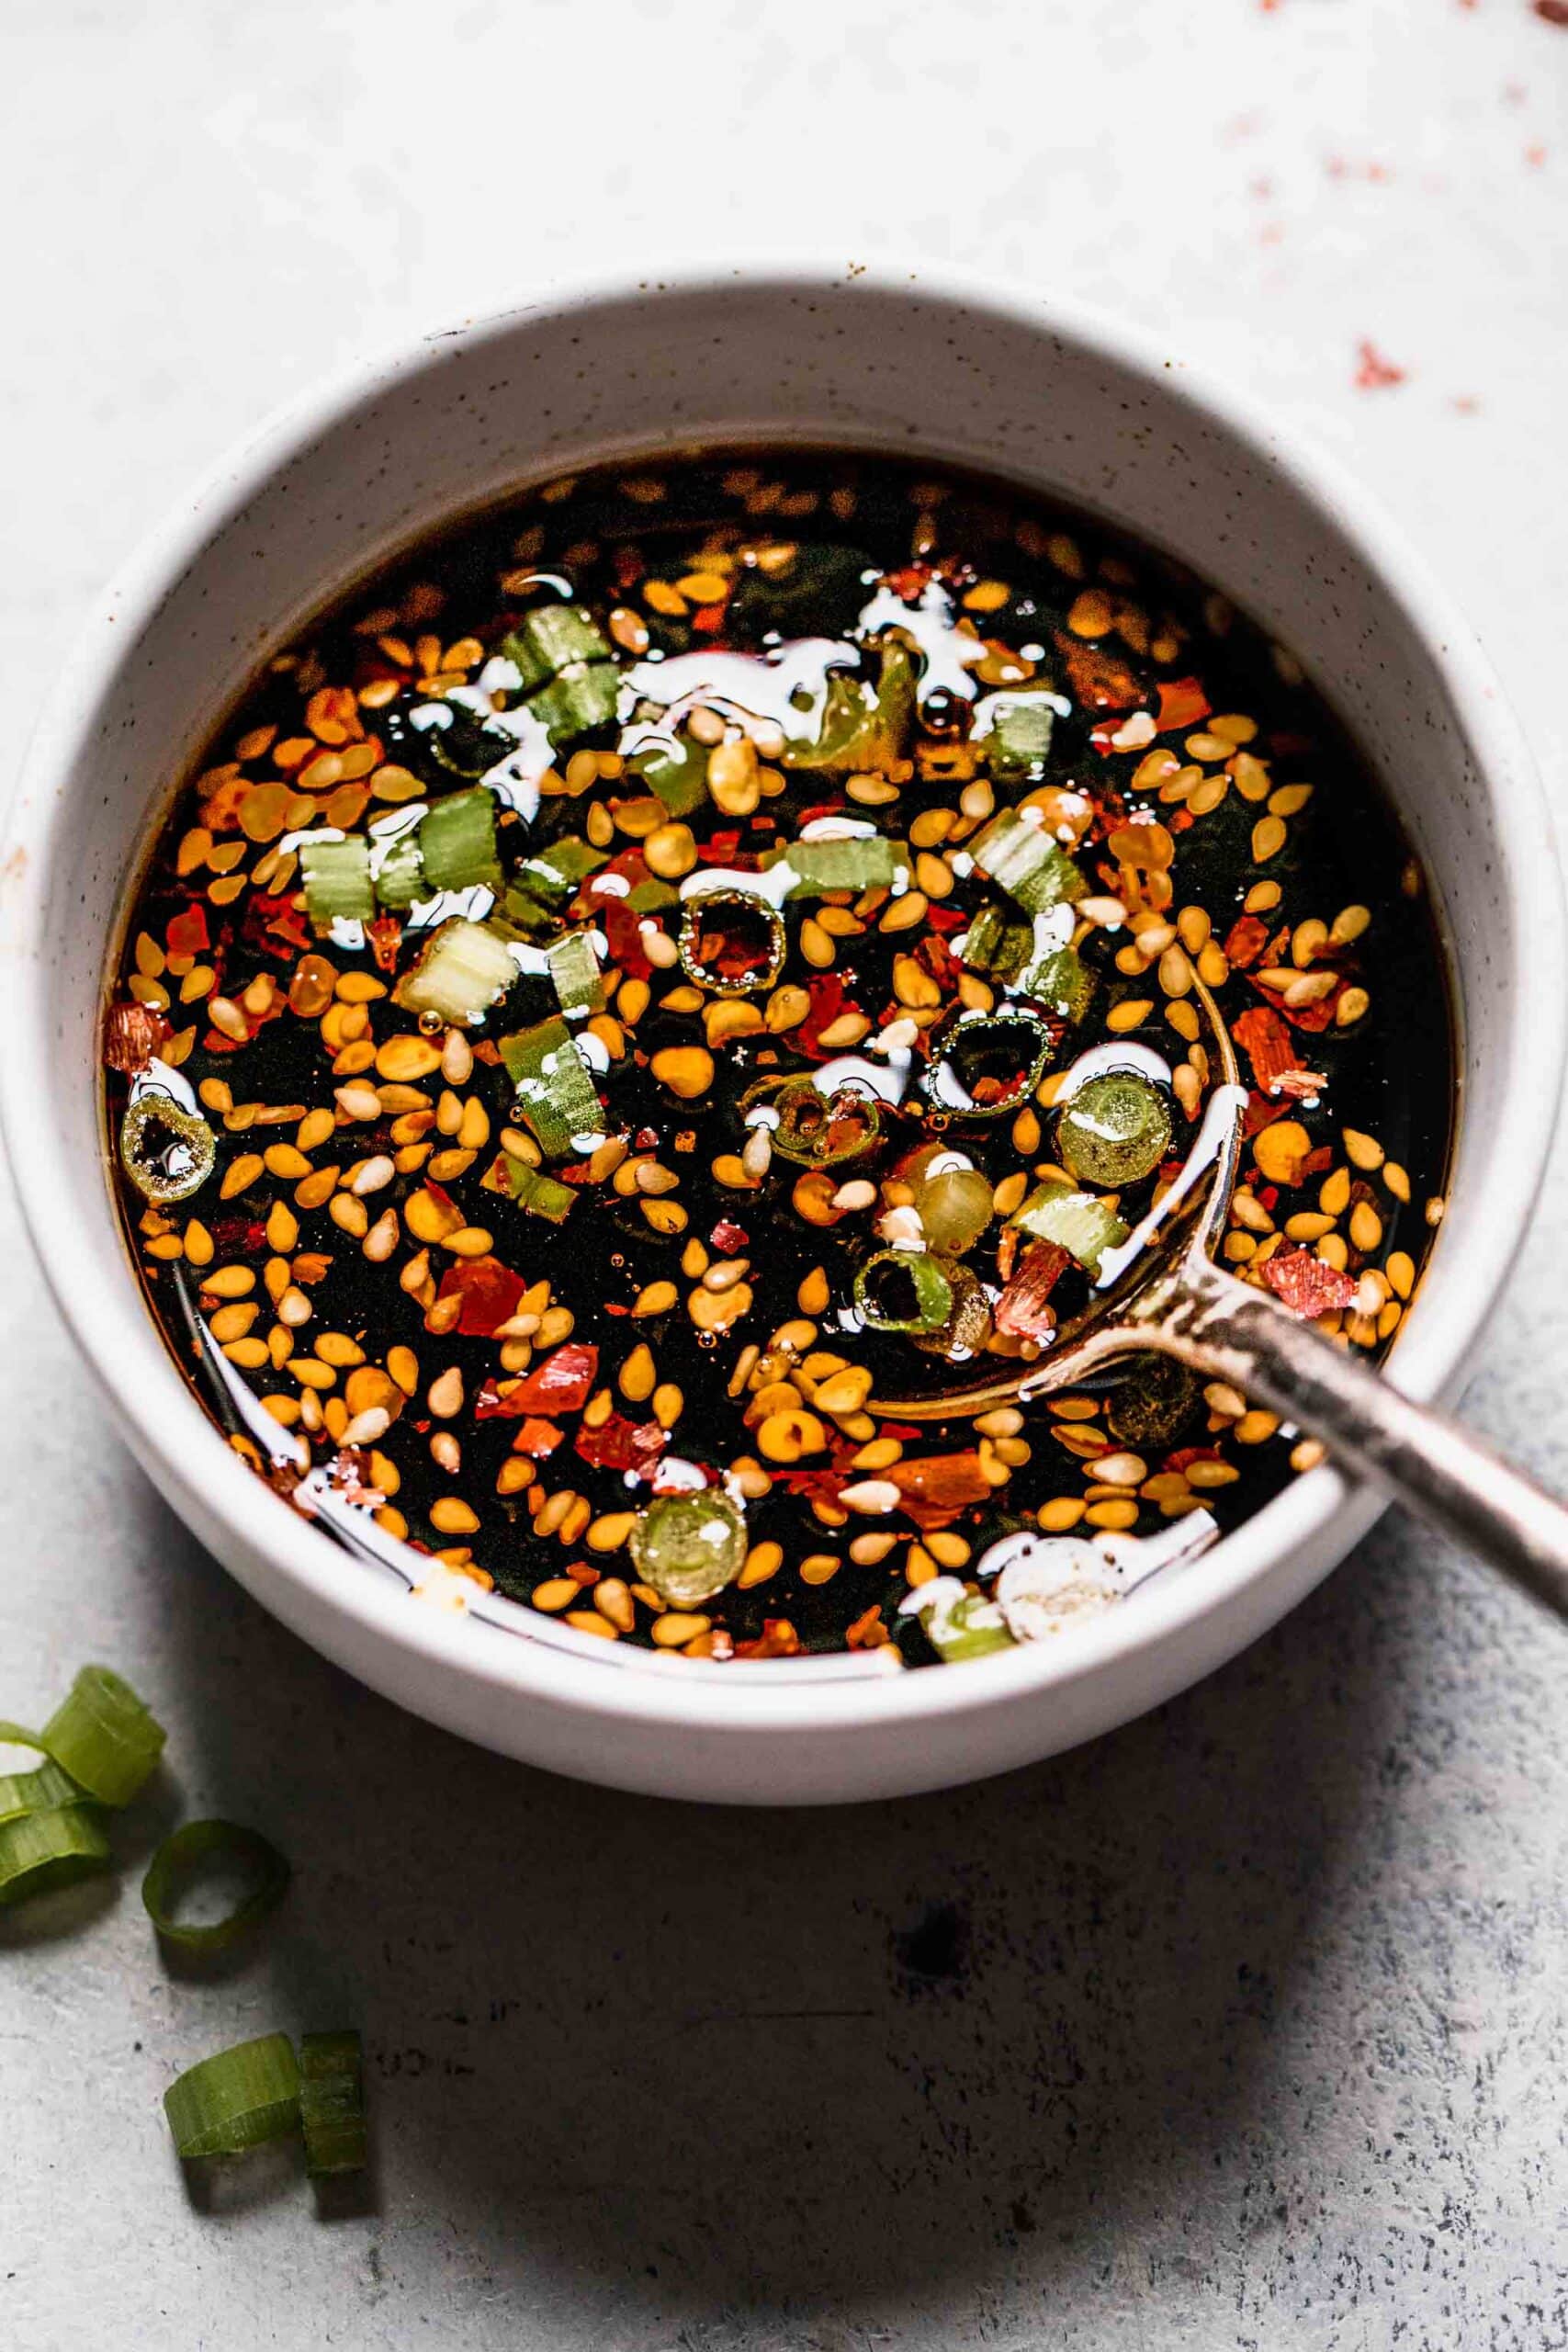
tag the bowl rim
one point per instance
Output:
(246, 1522)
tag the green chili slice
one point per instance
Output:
(689, 1546)
(988, 1063)
(731, 942)
(904, 1290)
(48, 1848)
(104, 1737)
(456, 842)
(1115, 1130)
(332, 2102)
(167, 1151)
(1023, 860)
(336, 876)
(814, 1129)
(179, 1860)
(556, 1095)
(235, 2100)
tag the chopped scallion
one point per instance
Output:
(574, 969)
(530, 1188)
(236, 2098)
(179, 1859)
(859, 862)
(556, 1094)
(462, 969)
(332, 2102)
(1079, 1223)
(550, 638)
(44, 1790)
(48, 1848)
(1023, 860)
(104, 1737)
(456, 842)
(579, 699)
(337, 881)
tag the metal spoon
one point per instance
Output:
(1174, 1299)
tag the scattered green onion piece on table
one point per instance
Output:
(332, 2103)
(574, 969)
(556, 1095)
(1115, 1130)
(1023, 860)
(903, 1290)
(54, 1848)
(529, 1188)
(463, 969)
(456, 843)
(689, 1546)
(42, 1791)
(1079, 1223)
(104, 1737)
(336, 876)
(236, 2099)
(167, 1151)
(179, 1859)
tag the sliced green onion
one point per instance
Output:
(579, 699)
(862, 732)
(104, 1737)
(47, 1790)
(1020, 735)
(556, 1095)
(530, 1188)
(332, 2102)
(903, 1290)
(689, 1546)
(574, 969)
(676, 770)
(462, 969)
(988, 1063)
(1023, 860)
(543, 883)
(549, 638)
(856, 861)
(400, 877)
(167, 1151)
(1079, 1223)
(969, 1325)
(179, 1859)
(46, 1849)
(1060, 982)
(456, 842)
(731, 942)
(958, 1624)
(236, 2098)
(1115, 1130)
(814, 1129)
(997, 944)
(336, 876)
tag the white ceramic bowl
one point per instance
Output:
(905, 361)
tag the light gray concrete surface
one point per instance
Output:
(1243, 2028)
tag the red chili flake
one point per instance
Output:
(1267, 1042)
(1021, 1308)
(868, 1631)
(1182, 1459)
(561, 1383)
(1182, 703)
(385, 934)
(1246, 940)
(188, 934)
(133, 1034)
(778, 1638)
(708, 619)
(490, 1293)
(1307, 1286)
(730, 1239)
(275, 925)
(826, 994)
(819, 808)
(486, 1050)
(620, 1444)
(944, 920)
(1373, 372)
(536, 1438)
(935, 1487)
(1312, 1018)
(1098, 681)
(910, 583)
(238, 1237)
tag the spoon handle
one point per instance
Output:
(1233, 1332)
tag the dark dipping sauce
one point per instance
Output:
(565, 1263)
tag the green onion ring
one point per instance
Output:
(104, 1737)
(49, 1789)
(41, 1851)
(332, 2102)
(235, 2100)
(699, 911)
(932, 1284)
(178, 1860)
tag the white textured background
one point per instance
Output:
(1244, 2029)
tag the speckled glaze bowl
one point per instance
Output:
(1060, 401)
